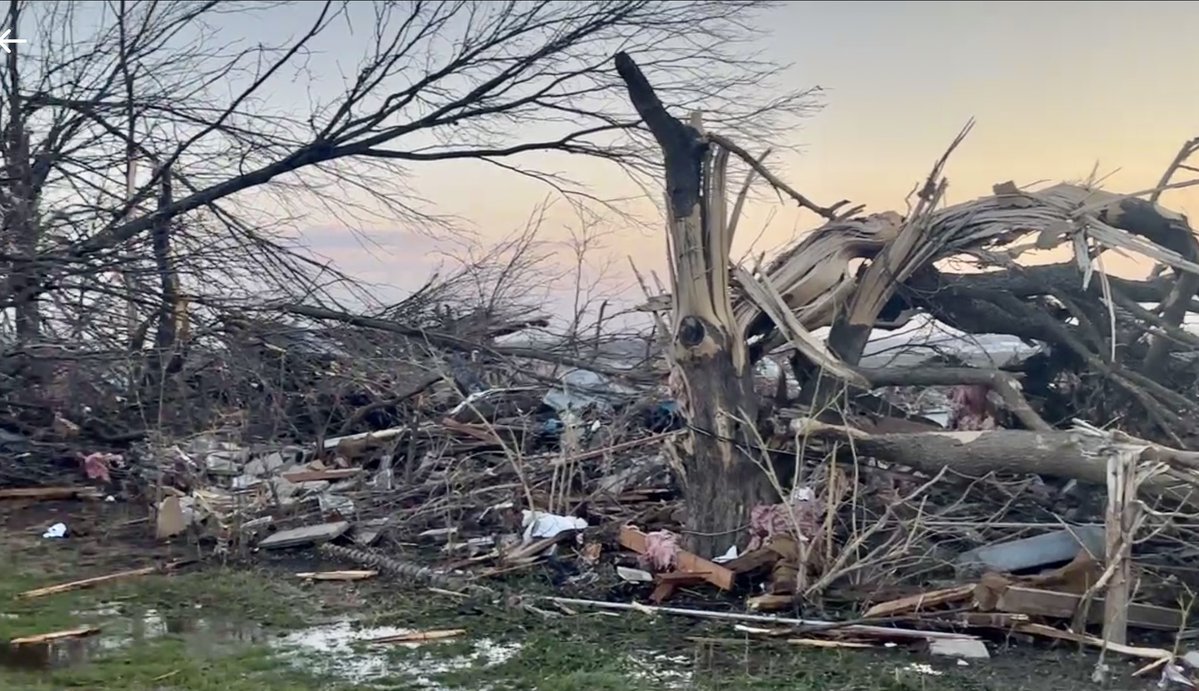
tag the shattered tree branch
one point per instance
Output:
(710, 374)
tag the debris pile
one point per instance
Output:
(836, 499)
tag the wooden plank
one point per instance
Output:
(919, 601)
(337, 575)
(663, 592)
(770, 602)
(43, 638)
(1048, 603)
(988, 620)
(419, 636)
(752, 561)
(1134, 651)
(306, 535)
(717, 575)
(49, 493)
(681, 578)
(87, 582)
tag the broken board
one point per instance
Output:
(633, 539)
(307, 535)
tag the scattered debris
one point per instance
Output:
(98, 580)
(634, 575)
(419, 636)
(968, 649)
(171, 519)
(43, 638)
(337, 575)
(540, 525)
(305, 536)
(50, 493)
(961, 490)
(684, 561)
(55, 531)
(1042, 550)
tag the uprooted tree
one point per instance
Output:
(150, 181)
(1103, 355)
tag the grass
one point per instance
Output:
(157, 632)
(209, 630)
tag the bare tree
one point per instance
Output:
(149, 166)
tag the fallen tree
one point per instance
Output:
(1102, 354)
(1080, 453)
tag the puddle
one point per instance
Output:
(62, 653)
(664, 671)
(340, 650)
(119, 629)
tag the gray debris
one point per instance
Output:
(307, 535)
(1042, 550)
(961, 648)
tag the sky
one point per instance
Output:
(1056, 90)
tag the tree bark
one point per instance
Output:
(710, 363)
(166, 334)
(20, 201)
(1065, 454)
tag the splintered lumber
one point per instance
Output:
(43, 638)
(752, 561)
(986, 620)
(770, 602)
(1132, 651)
(420, 636)
(669, 583)
(306, 535)
(87, 583)
(1048, 603)
(919, 601)
(337, 575)
(49, 493)
(633, 539)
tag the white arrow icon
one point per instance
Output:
(5, 41)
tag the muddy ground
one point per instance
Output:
(256, 627)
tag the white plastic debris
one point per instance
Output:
(802, 493)
(539, 525)
(634, 575)
(580, 388)
(55, 531)
(730, 555)
(472, 400)
(1173, 676)
(921, 668)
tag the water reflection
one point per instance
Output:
(202, 637)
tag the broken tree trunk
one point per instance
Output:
(1078, 454)
(710, 365)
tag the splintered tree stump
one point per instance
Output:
(711, 375)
